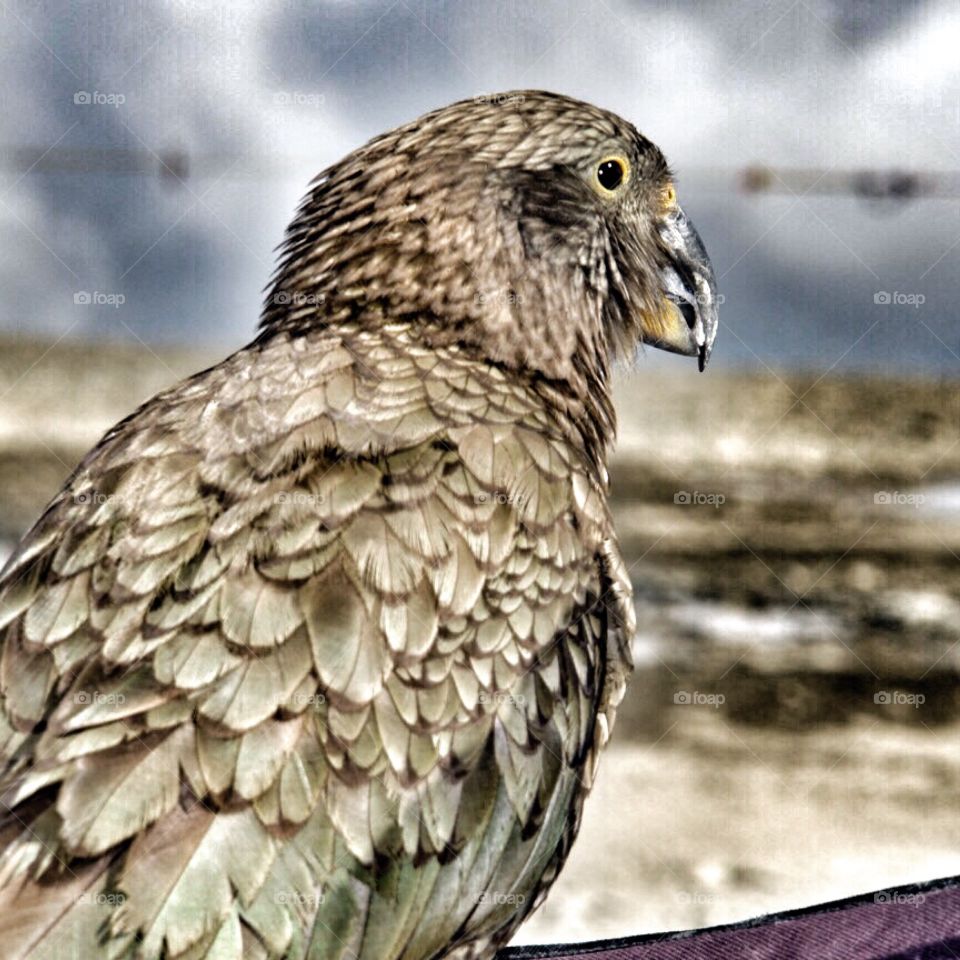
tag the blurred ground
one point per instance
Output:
(792, 734)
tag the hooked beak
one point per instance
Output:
(688, 322)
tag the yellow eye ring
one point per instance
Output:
(611, 173)
(670, 196)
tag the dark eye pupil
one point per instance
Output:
(610, 174)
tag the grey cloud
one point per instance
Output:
(264, 96)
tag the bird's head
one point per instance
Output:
(541, 229)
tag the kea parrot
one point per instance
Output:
(314, 654)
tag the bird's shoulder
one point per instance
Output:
(307, 589)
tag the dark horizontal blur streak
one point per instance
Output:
(178, 165)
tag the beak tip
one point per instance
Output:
(706, 345)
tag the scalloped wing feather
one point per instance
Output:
(303, 612)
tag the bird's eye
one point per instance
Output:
(611, 172)
(670, 196)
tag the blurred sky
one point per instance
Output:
(260, 97)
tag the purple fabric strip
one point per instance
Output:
(909, 923)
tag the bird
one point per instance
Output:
(314, 654)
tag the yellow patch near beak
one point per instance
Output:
(667, 328)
